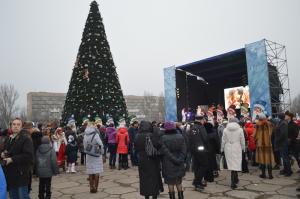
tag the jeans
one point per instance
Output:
(284, 154)
(133, 156)
(188, 161)
(19, 193)
(45, 188)
(112, 148)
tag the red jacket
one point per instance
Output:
(250, 134)
(122, 140)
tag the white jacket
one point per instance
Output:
(233, 144)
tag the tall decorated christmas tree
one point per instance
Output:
(94, 88)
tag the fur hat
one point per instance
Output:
(260, 104)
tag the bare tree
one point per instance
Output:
(23, 114)
(8, 107)
(295, 107)
(149, 108)
(161, 106)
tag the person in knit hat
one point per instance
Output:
(122, 140)
(173, 150)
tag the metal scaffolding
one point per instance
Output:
(280, 92)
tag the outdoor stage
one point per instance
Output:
(260, 65)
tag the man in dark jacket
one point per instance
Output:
(132, 131)
(281, 144)
(18, 158)
(199, 146)
(293, 131)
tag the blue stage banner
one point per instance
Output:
(258, 79)
(170, 94)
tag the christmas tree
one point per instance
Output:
(94, 87)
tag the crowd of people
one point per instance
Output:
(163, 152)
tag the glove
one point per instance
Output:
(8, 161)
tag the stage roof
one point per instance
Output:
(229, 66)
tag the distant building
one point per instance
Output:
(45, 106)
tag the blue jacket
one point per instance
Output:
(2, 185)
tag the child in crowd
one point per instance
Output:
(46, 167)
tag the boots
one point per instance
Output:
(236, 177)
(270, 171)
(154, 197)
(180, 195)
(69, 168)
(233, 180)
(263, 171)
(96, 182)
(172, 195)
(92, 183)
(73, 168)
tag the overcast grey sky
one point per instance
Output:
(39, 40)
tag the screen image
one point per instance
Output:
(236, 96)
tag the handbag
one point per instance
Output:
(92, 149)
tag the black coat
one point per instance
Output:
(281, 136)
(20, 149)
(173, 149)
(198, 137)
(149, 168)
(36, 137)
(293, 131)
(72, 147)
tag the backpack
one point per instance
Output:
(92, 149)
(150, 150)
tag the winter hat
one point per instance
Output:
(260, 104)
(225, 121)
(110, 121)
(45, 140)
(233, 120)
(132, 119)
(199, 117)
(122, 122)
(97, 119)
(231, 109)
(261, 116)
(70, 138)
(170, 125)
(71, 120)
(85, 120)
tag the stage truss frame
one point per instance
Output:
(276, 56)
